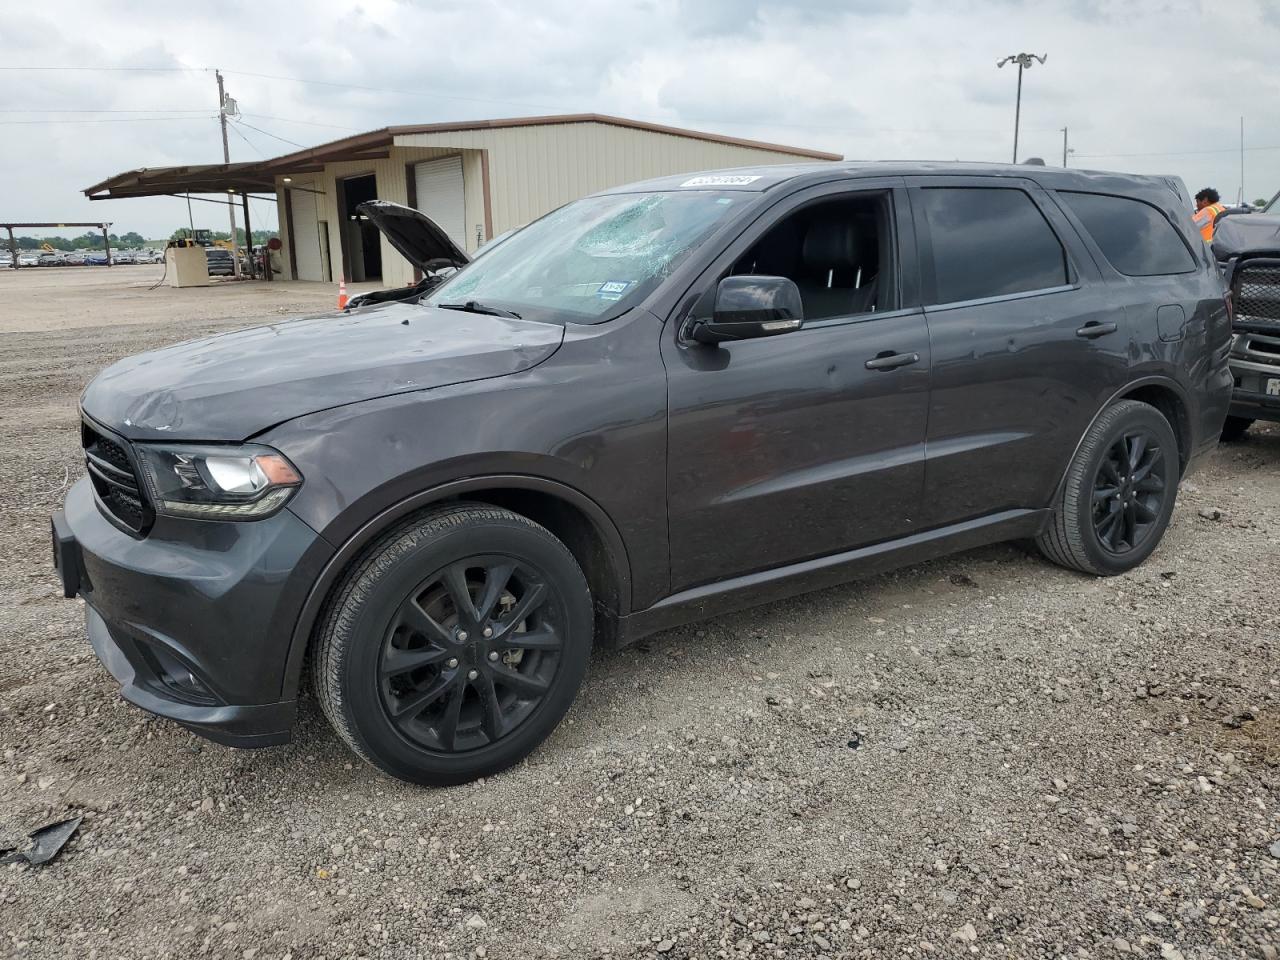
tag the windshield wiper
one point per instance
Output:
(472, 306)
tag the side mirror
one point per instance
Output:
(748, 307)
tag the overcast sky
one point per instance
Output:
(1154, 86)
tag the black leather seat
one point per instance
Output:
(831, 255)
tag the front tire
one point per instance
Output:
(455, 646)
(1119, 493)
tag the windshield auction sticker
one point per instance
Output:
(720, 180)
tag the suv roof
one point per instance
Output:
(761, 178)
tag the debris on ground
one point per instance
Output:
(46, 843)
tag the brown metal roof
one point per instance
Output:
(384, 137)
(259, 176)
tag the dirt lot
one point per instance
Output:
(981, 756)
(43, 299)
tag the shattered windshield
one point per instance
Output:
(591, 258)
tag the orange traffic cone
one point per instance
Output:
(342, 294)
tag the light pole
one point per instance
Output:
(1024, 62)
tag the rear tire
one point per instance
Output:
(1119, 493)
(455, 646)
(1235, 428)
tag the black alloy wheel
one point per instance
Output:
(1116, 500)
(1129, 491)
(455, 645)
(470, 653)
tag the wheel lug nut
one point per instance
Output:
(493, 655)
(472, 674)
(462, 636)
(451, 662)
(487, 632)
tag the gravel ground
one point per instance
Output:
(980, 756)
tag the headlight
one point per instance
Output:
(212, 482)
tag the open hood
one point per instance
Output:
(414, 234)
(1242, 233)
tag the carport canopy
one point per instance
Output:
(198, 178)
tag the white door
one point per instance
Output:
(305, 232)
(439, 193)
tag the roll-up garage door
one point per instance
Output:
(305, 232)
(439, 194)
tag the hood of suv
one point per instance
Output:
(235, 385)
(418, 238)
(1246, 233)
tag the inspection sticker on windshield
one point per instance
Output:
(720, 180)
(612, 289)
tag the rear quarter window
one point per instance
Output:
(1135, 237)
(990, 242)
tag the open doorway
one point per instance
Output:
(361, 241)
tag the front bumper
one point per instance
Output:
(195, 620)
(1255, 372)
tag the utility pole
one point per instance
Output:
(1024, 62)
(1065, 151)
(1241, 201)
(226, 158)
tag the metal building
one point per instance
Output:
(476, 180)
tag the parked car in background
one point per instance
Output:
(96, 259)
(123, 256)
(653, 405)
(74, 259)
(1248, 250)
(28, 259)
(220, 262)
(6, 259)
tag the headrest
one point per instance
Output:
(829, 243)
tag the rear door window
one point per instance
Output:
(1134, 236)
(990, 242)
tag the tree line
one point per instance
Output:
(92, 240)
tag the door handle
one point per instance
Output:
(1093, 329)
(891, 361)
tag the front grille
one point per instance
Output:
(114, 477)
(1256, 295)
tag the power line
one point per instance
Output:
(234, 129)
(306, 123)
(193, 110)
(117, 69)
(104, 120)
(1166, 153)
(268, 133)
(544, 106)
(851, 129)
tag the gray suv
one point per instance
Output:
(653, 405)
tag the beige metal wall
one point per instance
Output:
(535, 169)
(532, 170)
(391, 185)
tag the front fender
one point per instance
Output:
(383, 521)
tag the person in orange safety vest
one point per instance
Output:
(1207, 210)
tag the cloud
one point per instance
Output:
(1135, 82)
